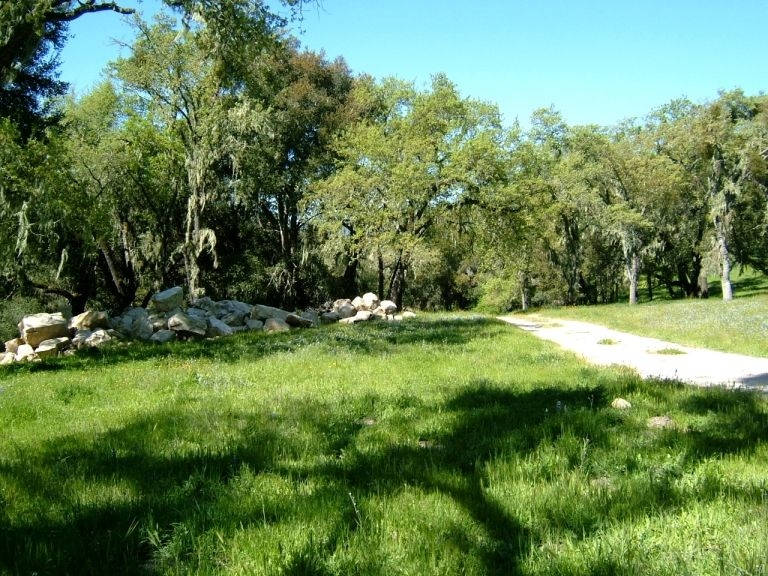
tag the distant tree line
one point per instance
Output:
(221, 156)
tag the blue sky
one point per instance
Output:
(596, 61)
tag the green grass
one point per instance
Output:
(440, 446)
(738, 326)
(668, 351)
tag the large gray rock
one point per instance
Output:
(89, 320)
(297, 321)
(217, 327)
(344, 308)
(330, 317)
(25, 352)
(184, 324)
(7, 358)
(167, 299)
(206, 304)
(276, 325)
(51, 348)
(233, 319)
(142, 328)
(311, 315)
(163, 336)
(38, 327)
(261, 312)
(254, 325)
(234, 307)
(370, 301)
(159, 321)
(388, 306)
(13, 345)
(198, 312)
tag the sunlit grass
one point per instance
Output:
(442, 446)
(738, 326)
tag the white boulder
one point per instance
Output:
(370, 301)
(7, 358)
(98, 338)
(358, 303)
(52, 347)
(89, 320)
(38, 327)
(25, 352)
(13, 345)
(388, 306)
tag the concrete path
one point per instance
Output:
(697, 366)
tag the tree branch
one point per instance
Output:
(85, 7)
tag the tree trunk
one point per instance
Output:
(649, 282)
(721, 209)
(725, 260)
(380, 259)
(633, 269)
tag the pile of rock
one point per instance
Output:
(166, 319)
(363, 308)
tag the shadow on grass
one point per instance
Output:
(143, 497)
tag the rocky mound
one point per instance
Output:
(166, 319)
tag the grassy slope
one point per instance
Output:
(452, 446)
(737, 326)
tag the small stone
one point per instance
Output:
(167, 299)
(620, 404)
(276, 325)
(217, 328)
(661, 422)
(163, 336)
(397, 318)
(408, 314)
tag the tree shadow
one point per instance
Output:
(182, 467)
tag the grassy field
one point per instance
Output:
(441, 446)
(737, 326)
